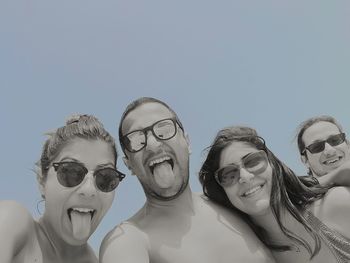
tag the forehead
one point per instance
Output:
(234, 152)
(319, 131)
(90, 152)
(144, 116)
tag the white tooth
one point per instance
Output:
(252, 190)
(83, 210)
(160, 160)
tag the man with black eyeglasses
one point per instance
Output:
(324, 150)
(174, 225)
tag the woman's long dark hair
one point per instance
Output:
(287, 190)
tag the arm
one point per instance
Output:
(337, 177)
(124, 244)
(15, 225)
(334, 210)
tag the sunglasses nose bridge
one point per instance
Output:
(244, 175)
(328, 148)
(151, 138)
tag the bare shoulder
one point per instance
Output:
(217, 208)
(16, 226)
(334, 209)
(13, 213)
(337, 197)
(125, 243)
(228, 217)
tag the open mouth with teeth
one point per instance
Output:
(252, 191)
(333, 160)
(81, 222)
(159, 161)
(82, 211)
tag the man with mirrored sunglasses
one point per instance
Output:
(324, 150)
(175, 224)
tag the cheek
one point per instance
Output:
(107, 200)
(136, 164)
(232, 194)
(314, 159)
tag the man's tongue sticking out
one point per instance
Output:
(163, 175)
(81, 223)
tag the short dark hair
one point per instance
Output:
(135, 104)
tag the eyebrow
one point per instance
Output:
(105, 165)
(65, 159)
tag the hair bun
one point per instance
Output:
(75, 118)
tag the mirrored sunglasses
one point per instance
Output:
(137, 140)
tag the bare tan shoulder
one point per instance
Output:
(125, 243)
(337, 198)
(16, 227)
(334, 209)
(14, 214)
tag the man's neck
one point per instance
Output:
(181, 204)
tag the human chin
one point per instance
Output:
(169, 193)
(256, 199)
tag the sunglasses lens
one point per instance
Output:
(316, 147)
(70, 174)
(135, 141)
(165, 129)
(107, 179)
(227, 175)
(256, 162)
(336, 139)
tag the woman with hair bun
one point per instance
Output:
(77, 178)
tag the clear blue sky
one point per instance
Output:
(266, 64)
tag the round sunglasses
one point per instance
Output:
(71, 174)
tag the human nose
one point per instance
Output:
(87, 187)
(152, 141)
(329, 149)
(245, 176)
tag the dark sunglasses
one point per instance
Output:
(318, 147)
(71, 174)
(254, 163)
(162, 130)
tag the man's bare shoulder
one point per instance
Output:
(125, 243)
